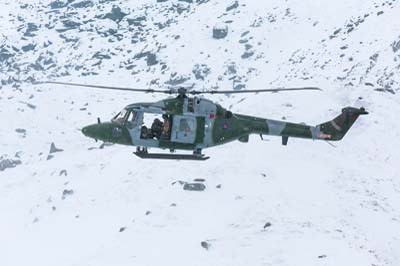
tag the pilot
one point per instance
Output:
(157, 128)
(145, 133)
(167, 125)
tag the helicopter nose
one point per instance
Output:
(91, 131)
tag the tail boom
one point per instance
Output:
(332, 130)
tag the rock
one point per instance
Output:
(247, 54)
(199, 180)
(54, 149)
(321, 256)
(122, 229)
(218, 186)
(99, 55)
(267, 224)
(151, 59)
(28, 47)
(58, 4)
(67, 192)
(194, 186)
(395, 47)
(220, 31)
(8, 163)
(205, 245)
(5, 55)
(137, 21)
(201, 71)
(148, 212)
(63, 172)
(238, 86)
(116, 14)
(233, 5)
(20, 131)
(177, 80)
(31, 27)
(82, 4)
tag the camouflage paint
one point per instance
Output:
(216, 125)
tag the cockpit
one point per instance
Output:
(125, 117)
(152, 125)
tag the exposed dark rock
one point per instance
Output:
(321, 256)
(5, 55)
(31, 28)
(8, 163)
(194, 186)
(247, 54)
(248, 46)
(220, 31)
(151, 59)
(68, 25)
(67, 192)
(205, 245)
(69, 38)
(122, 229)
(176, 80)
(148, 213)
(58, 4)
(21, 131)
(199, 180)
(267, 224)
(54, 149)
(116, 14)
(63, 172)
(395, 46)
(99, 55)
(82, 4)
(244, 33)
(201, 71)
(218, 186)
(238, 86)
(233, 5)
(28, 47)
(137, 21)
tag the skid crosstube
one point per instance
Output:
(165, 156)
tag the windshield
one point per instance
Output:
(120, 117)
(127, 117)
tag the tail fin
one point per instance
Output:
(338, 127)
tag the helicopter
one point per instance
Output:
(193, 123)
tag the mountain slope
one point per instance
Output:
(95, 204)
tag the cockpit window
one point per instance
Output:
(120, 117)
(127, 117)
(131, 119)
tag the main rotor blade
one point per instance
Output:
(108, 87)
(254, 91)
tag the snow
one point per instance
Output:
(326, 205)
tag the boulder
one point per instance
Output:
(194, 186)
(220, 31)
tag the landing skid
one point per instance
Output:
(143, 154)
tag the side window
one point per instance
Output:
(186, 125)
(130, 121)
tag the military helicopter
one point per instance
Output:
(195, 123)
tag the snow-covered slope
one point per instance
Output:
(95, 204)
